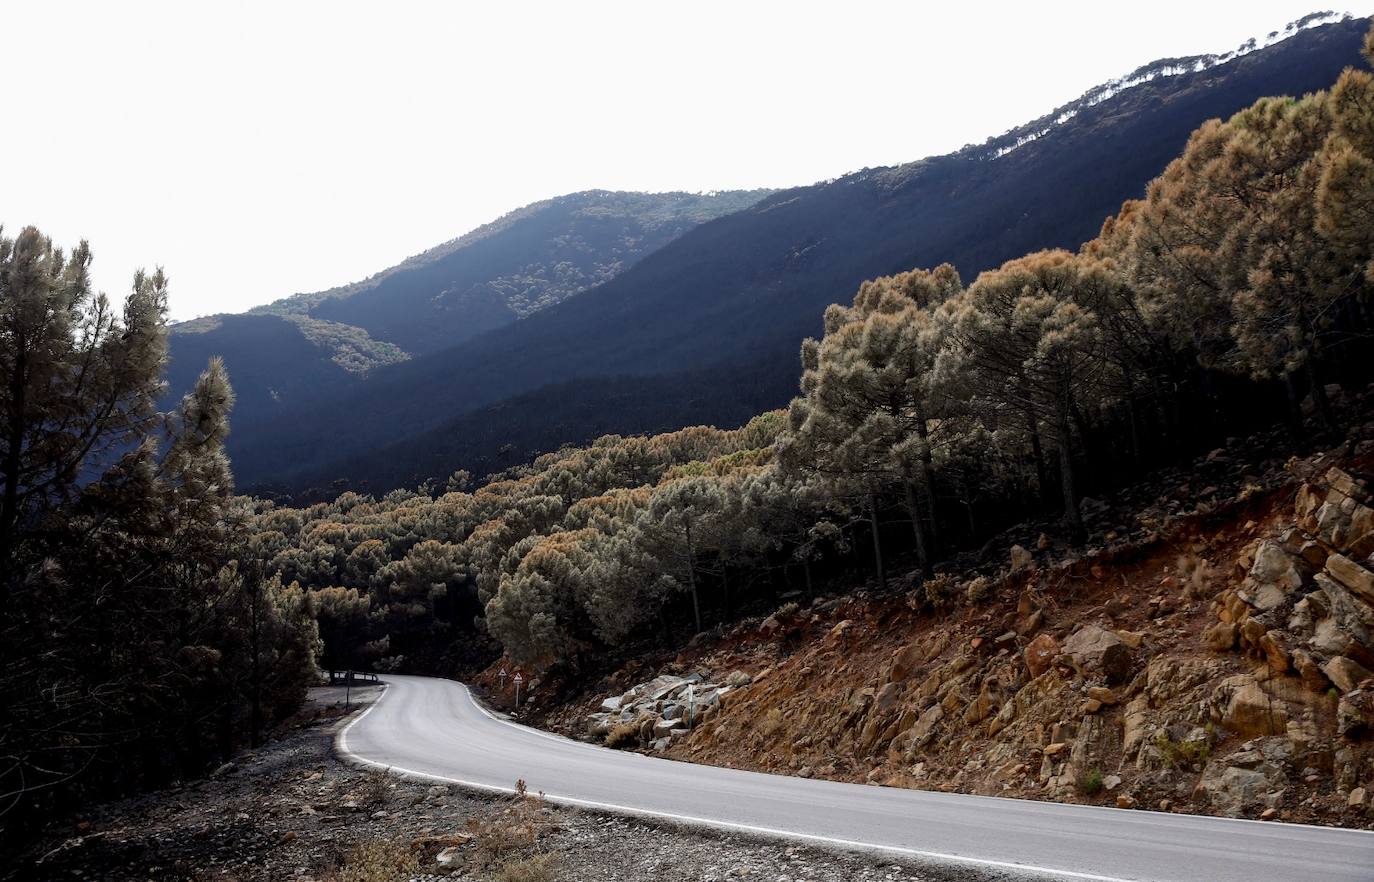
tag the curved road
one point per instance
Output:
(434, 729)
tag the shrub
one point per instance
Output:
(380, 860)
(623, 734)
(937, 590)
(1092, 783)
(539, 868)
(771, 724)
(787, 610)
(1181, 754)
(375, 789)
(509, 836)
(977, 589)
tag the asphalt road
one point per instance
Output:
(433, 728)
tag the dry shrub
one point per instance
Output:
(380, 860)
(1196, 576)
(771, 724)
(375, 788)
(538, 868)
(937, 590)
(511, 834)
(623, 734)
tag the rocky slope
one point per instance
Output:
(1210, 653)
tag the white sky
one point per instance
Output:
(260, 149)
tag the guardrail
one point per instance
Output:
(348, 678)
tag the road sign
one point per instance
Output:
(518, 680)
(502, 675)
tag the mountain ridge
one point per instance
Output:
(744, 289)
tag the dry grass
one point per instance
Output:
(375, 788)
(511, 835)
(771, 724)
(623, 734)
(538, 868)
(378, 861)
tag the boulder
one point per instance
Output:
(1274, 566)
(886, 697)
(1233, 791)
(1244, 708)
(1344, 624)
(1346, 484)
(1097, 651)
(925, 725)
(1310, 672)
(738, 679)
(1221, 637)
(905, 661)
(611, 705)
(1309, 499)
(598, 724)
(1040, 653)
(1020, 558)
(1274, 645)
(1346, 673)
(1359, 580)
(1102, 694)
(1355, 714)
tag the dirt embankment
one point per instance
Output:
(1210, 653)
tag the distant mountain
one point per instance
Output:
(706, 328)
(289, 353)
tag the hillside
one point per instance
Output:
(709, 325)
(1210, 659)
(287, 354)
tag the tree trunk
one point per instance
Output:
(692, 580)
(877, 540)
(913, 507)
(725, 591)
(1319, 398)
(928, 473)
(1291, 385)
(1073, 518)
(1041, 479)
(14, 441)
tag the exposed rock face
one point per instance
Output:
(1240, 686)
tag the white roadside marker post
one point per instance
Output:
(691, 706)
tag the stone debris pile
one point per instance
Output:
(655, 713)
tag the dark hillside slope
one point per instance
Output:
(744, 289)
(290, 353)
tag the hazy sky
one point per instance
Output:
(257, 150)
